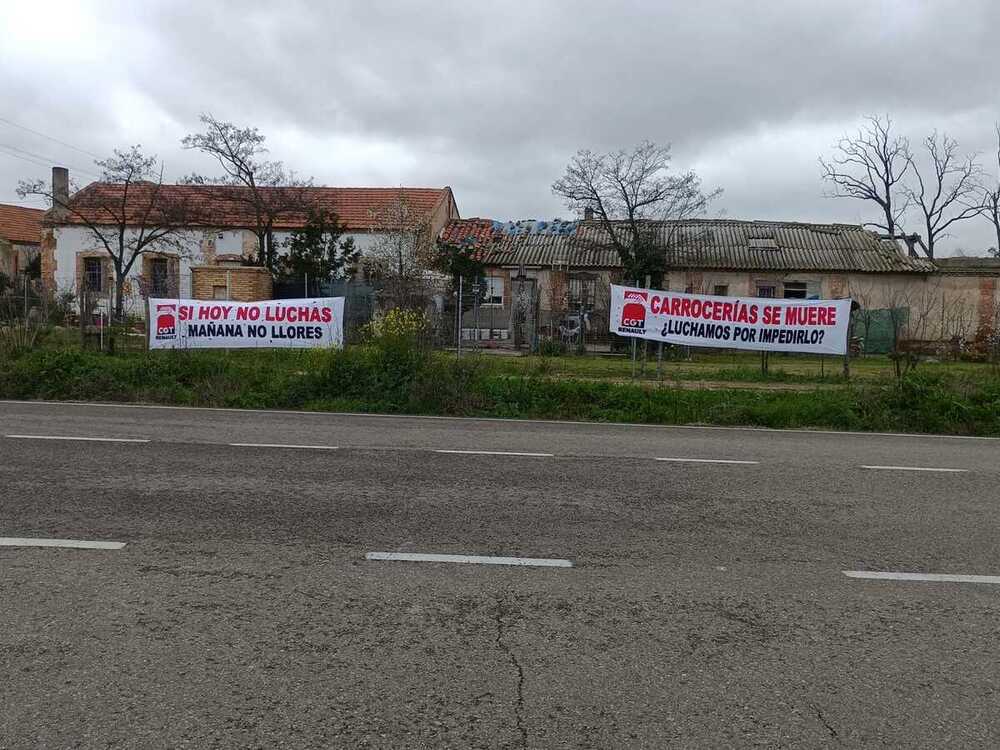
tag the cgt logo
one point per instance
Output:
(166, 322)
(634, 310)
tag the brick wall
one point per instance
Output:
(48, 259)
(246, 283)
(987, 306)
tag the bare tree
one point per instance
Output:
(912, 310)
(988, 334)
(628, 192)
(958, 319)
(864, 292)
(991, 200)
(266, 188)
(128, 213)
(870, 166)
(402, 253)
(947, 189)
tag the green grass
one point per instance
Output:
(400, 379)
(734, 366)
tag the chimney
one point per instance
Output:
(588, 214)
(60, 189)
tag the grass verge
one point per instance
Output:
(405, 380)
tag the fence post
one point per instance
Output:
(458, 318)
(645, 344)
(847, 349)
(477, 292)
(632, 339)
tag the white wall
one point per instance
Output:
(363, 241)
(71, 240)
(228, 241)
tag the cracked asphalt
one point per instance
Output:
(706, 606)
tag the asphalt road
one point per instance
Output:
(706, 605)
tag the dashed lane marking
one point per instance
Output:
(497, 453)
(709, 461)
(937, 577)
(537, 562)
(915, 468)
(284, 445)
(74, 437)
(13, 541)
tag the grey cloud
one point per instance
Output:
(493, 99)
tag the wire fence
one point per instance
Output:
(463, 314)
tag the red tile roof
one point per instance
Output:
(467, 232)
(222, 207)
(20, 224)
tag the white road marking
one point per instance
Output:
(13, 541)
(284, 445)
(629, 425)
(941, 577)
(498, 453)
(88, 439)
(708, 461)
(538, 562)
(914, 468)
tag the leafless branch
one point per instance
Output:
(870, 166)
(629, 193)
(947, 189)
(127, 213)
(266, 188)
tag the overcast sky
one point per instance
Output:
(493, 98)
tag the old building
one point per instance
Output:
(211, 257)
(20, 237)
(547, 278)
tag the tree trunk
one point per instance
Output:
(119, 308)
(262, 247)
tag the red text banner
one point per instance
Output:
(777, 325)
(226, 324)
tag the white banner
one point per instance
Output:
(217, 324)
(775, 325)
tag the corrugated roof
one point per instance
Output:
(21, 225)
(221, 207)
(722, 244)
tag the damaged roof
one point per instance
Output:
(723, 244)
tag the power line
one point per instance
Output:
(24, 158)
(44, 158)
(54, 140)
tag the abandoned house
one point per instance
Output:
(550, 279)
(213, 257)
